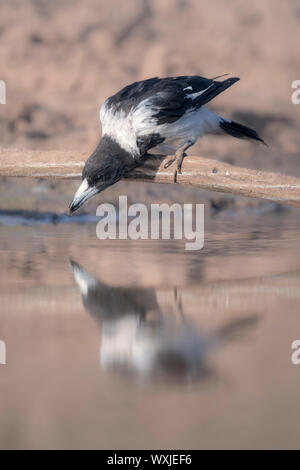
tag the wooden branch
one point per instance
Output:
(199, 172)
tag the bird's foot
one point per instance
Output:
(177, 159)
(169, 161)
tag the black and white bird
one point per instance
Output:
(146, 333)
(167, 114)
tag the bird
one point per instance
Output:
(147, 333)
(165, 115)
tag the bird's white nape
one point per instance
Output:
(118, 126)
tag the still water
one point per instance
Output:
(140, 344)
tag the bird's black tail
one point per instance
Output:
(239, 131)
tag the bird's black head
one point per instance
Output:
(104, 167)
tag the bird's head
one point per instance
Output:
(104, 167)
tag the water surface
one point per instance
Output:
(145, 345)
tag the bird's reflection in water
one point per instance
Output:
(143, 339)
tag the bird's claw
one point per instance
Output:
(177, 171)
(169, 162)
(177, 166)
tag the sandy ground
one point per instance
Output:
(61, 59)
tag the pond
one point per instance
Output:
(142, 344)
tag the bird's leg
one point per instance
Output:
(178, 158)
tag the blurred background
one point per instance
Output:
(61, 59)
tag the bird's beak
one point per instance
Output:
(82, 277)
(83, 193)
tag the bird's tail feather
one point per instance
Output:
(239, 131)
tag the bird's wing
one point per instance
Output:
(207, 93)
(138, 109)
(168, 99)
(129, 97)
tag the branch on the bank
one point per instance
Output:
(199, 172)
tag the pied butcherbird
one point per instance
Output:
(165, 114)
